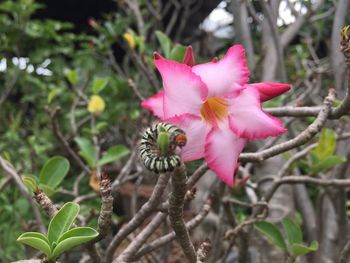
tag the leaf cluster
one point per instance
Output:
(294, 246)
(60, 236)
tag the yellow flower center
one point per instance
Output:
(214, 109)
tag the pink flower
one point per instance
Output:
(215, 106)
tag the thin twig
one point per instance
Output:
(140, 239)
(10, 171)
(58, 133)
(233, 233)
(135, 89)
(4, 183)
(345, 253)
(137, 220)
(297, 156)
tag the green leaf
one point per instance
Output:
(49, 191)
(300, 249)
(177, 53)
(52, 94)
(326, 164)
(164, 42)
(72, 76)
(54, 171)
(113, 154)
(37, 241)
(30, 182)
(62, 221)
(272, 233)
(87, 151)
(293, 231)
(72, 238)
(101, 125)
(99, 84)
(314, 158)
(326, 144)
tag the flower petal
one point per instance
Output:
(248, 120)
(196, 131)
(156, 55)
(155, 104)
(224, 76)
(188, 57)
(269, 90)
(222, 150)
(184, 92)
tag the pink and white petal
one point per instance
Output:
(155, 104)
(196, 131)
(222, 150)
(184, 91)
(221, 76)
(269, 90)
(247, 118)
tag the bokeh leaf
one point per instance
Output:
(326, 144)
(49, 191)
(293, 231)
(72, 76)
(164, 42)
(177, 53)
(113, 154)
(54, 171)
(30, 182)
(272, 233)
(87, 150)
(326, 164)
(300, 249)
(99, 84)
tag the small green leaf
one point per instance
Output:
(272, 233)
(326, 164)
(49, 191)
(72, 238)
(30, 182)
(52, 94)
(314, 158)
(177, 53)
(293, 231)
(164, 42)
(99, 84)
(62, 221)
(87, 151)
(326, 144)
(37, 241)
(101, 125)
(300, 249)
(72, 76)
(113, 154)
(54, 171)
